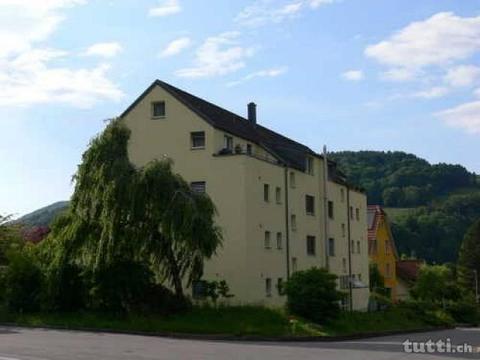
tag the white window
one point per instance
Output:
(311, 246)
(331, 211)
(228, 142)
(342, 195)
(266, 192)
(278, 195)
(293, 222)
(309, 205)
(351, 212)
(158, 109)
(267, 241)
(331, 247)
(344, 230)
(294, 264)
(344, 265)
(197, 139)
(279, 240)
(280, 286)
(358, 247)
(309, 165)
(268, 287)
(198, 186)
(292, 180)
(249, 149)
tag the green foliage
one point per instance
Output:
(436, 284)
(122, 213)
(464, 312)
(377, 281)
(22, 281)
(217, 289)
(469, 258)
(64, 288)
(313, 295)
(10, 238)
(398, 179)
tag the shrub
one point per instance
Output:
(119, 287)
(464, 312)
(312, 294)
(22, 282)
(64, 289)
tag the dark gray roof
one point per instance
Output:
(288, 151)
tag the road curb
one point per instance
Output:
(223, 337)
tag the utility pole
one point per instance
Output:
(475, 272)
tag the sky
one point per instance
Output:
(351, 74)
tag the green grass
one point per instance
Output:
(237, 320)
(240, 320)
(358, 322)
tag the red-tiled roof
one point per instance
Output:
(375, 214)
(408, 269)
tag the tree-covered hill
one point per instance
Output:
(398, 179)
(443, 199)
(43, 216)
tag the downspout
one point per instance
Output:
(325, 205)
(350, 285)
(287, 227)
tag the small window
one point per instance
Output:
(331, 247)
(330, 210)
(268, 287)
(279, 240)
(310, 204)
(293, 222)
(294, 264)
(357, 214)
(197, 139)
(158, 109)
(198, 187)
(249, 149)
(358, 247)
(342, 195)
(387, 247)
(228, 142)
(359, 277)
(280, 286)
(292, 180)
(199, 289)
(351, 212)
(266, 192)
(344, 265)
(310, 245)
(309, 165)
(278, 195)
(344, 230)
(267, 241)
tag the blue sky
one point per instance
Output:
(352, 74)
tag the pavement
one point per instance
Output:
(43, 344)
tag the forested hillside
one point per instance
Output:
(443, 200)
(398, 179)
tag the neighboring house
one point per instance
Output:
(269, 191)
(381, 247)
(407, 274)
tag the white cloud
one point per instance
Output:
(262, 12)
(476, 92)
(29, 71)
(106, 49)
(175, 47)
(218, 55)
(434, 92)
(438, 40)
(165, 8)
(463, 75)
(353, 75)
(273, 72)
(465, 116)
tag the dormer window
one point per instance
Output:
(309, 165)
(228, 142)
(158, 109)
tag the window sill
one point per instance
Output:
(310, 214)
(158, 117)
(198, 148)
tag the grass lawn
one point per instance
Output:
(238, 320)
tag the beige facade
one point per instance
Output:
(266, 238)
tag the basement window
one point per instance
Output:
(198, 186)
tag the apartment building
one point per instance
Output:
(280, 210)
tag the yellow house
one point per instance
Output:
(282, 207)
(381, 247)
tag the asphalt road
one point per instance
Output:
(40, 344)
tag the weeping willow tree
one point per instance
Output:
(9, 237)
(121, 213)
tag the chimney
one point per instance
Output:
(252, 113)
